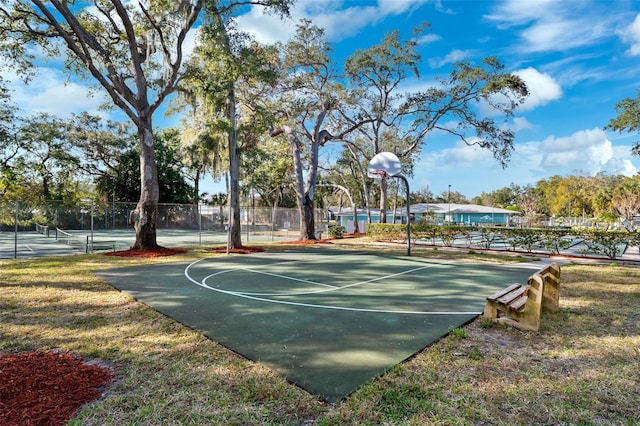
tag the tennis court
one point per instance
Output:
(328, 320)
(50, 241)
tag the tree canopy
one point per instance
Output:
(628, 119)
(601, 196)
(132, 51)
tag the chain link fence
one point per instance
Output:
(30, 229)
(170, 216)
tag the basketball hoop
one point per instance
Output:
(385, 165)
(378, 174)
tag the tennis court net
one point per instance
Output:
(80, 242)
(42, 229)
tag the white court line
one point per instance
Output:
(309, 305)
(334, 288)
(267, 273)
(288, 278)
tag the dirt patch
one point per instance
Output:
(47, 388)
(238, 250)
(157, 252)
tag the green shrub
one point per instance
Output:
(336, 231)
(608, 243)
(386, 231)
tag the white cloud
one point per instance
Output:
(471, 170)
(549, 25)
(265, 28)
(587, 150)
(460, 155)
(579, 140)
(429, 38)
(542, 88)
(631, 35)
(50, 92)
(455, 55)
(338, 17)
(570, 70)
(617, 166)
(395, 7)
(345, 23)
(622, 162)
(520, 123)
(518, 12)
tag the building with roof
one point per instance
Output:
(440, 213)
(468, 214)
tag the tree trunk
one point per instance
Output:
(46, 192)
(235, 230)
(308, 219)
(145, 215)
(308, 210)
(301, 195)
(196, 183)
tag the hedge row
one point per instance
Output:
(611, 244)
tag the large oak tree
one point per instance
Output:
(228, 81)
(134, 51)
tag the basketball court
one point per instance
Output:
(328, 320)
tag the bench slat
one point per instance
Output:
(503, 292)
(518, 305)
(514, 295)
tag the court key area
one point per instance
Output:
(328, 320)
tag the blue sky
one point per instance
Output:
(579, 58)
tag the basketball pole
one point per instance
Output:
(406, 185)
(400, 176)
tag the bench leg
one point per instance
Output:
(490, 310)
(520, 325)
(551, 297)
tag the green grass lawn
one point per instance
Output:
(582, 367)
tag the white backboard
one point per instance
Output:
(384, 164)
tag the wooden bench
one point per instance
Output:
(520, 305)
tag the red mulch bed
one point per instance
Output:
(47, 388)
(157, 252)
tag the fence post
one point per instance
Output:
(199, 223)
(15, 233)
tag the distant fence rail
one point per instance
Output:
(35, 230)
(25, 217)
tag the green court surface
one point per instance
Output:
(328, 320)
